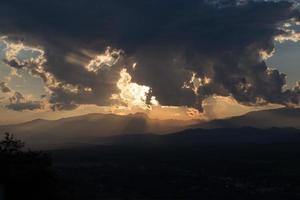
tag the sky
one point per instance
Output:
(172, 59)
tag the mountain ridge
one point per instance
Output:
(244, 135)
(281, 117)
(86, 127)
(98, 128)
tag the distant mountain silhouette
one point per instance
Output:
(135, 128)
(283, 117)
(245, 135)
(83, 129)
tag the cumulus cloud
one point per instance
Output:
(35, 63)
(288, 35)
(4, 88)
(182, 52)
(133, 94)
(19, 103)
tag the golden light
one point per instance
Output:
(133, 94)
(108, 58)
(196, 82)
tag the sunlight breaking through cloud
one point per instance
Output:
(108, 59)
(133, 94)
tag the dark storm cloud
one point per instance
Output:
(170, 40)
(4, 88)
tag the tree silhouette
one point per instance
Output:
(25, 173)
(10, 145)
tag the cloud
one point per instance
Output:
(177, 47)
(288, 35)
(36, 66)
(19, 103)
(4, 88)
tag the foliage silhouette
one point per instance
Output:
(10, 145)
(25, 173)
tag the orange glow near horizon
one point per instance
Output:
(214, 108)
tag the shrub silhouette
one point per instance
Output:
(10, 145)
(25, 173)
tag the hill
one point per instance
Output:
(136, 128)
(283, 117)
(85, 128)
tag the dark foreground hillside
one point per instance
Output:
(181, 172)
(244, 163)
